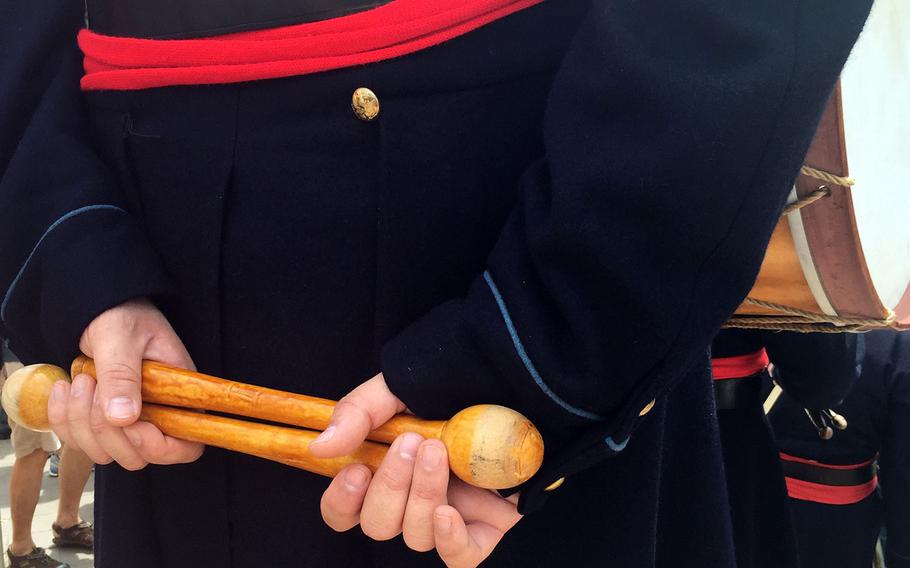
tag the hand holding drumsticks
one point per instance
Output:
(408, 494)
(488, 446)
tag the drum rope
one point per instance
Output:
(772, 324)
(804, 320)
(827, 176)
(809, 199)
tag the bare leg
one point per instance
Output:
(75, 467)
(24, 490)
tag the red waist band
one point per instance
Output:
(739, 366)
(391, 30)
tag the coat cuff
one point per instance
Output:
(464, 352)
(89, 260)
(437, 365)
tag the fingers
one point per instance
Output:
(168, 349)
(483, 505)
(363, 409)
(428, 492)
(100, 417)
(462, 545)
(342, 501)
(387, 497)
(467, 531)
(155, 447)
(78, 418)
(114, 441)
(118, 363)
(56, 411)
(401, 497)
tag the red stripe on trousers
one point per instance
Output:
(829, 494)
(398, 28)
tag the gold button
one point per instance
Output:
(647, 408)
(365, 104)
(556, 484)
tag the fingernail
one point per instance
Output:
(134, 438)
(326, 436)
(78, 387)
(407, 446)
(443, 523)
(354, 480)
(121, 407)
(430, 456)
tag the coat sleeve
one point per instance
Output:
(894, 461)
(70, 249)
(816, 369)
(672, 135)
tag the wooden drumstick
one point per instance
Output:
(489, 446)
(26, 392)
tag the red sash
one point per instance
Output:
(739, 366)
(391, 30)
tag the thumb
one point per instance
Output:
(118, 366)
(363, 409)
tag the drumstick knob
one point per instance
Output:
(28, 406)
(492, 446)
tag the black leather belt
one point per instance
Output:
(827, 476)
(743, 392)
(172, 19)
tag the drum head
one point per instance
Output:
(875, 90)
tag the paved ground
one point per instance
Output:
(44, 516)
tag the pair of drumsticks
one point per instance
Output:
(489, 446)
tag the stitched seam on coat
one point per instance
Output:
(523, 355)
(48, 231)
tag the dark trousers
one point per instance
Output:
(837, 535)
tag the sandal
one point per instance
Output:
(37, 558)
(80, 535)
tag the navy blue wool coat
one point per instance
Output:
(555, 212)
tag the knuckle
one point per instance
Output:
(426, 490)
(352, 410)
(120, 374)
(395, 479)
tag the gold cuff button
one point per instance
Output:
(647, 408)
(556, 484)
(365, 104)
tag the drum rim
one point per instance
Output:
(831, 228)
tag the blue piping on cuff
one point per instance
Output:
(614, 446)
(54, 225)
(523, 355)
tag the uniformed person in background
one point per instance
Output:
(763, 533)
(548, 205)
(839, 504)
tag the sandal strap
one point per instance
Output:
(81, 534)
